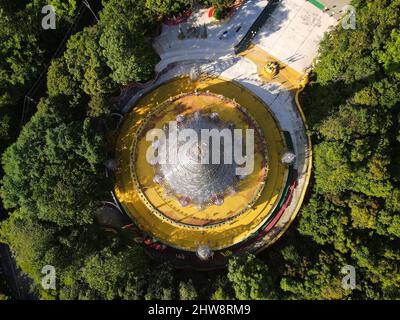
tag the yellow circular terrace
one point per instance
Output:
(190, 205)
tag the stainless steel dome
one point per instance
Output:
(190, 179)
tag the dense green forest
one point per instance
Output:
(54, 173)
(353, 109)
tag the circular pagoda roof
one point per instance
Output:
(188, 203)
(193, 177)
(187, 182)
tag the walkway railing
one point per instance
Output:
(309, 165)
(256, 26)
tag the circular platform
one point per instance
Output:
(188, 203)
(196, 193)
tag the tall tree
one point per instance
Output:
(250, 278)
(167, 8)
(54, 170)
(129, 54)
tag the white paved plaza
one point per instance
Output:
(293, 33)
(171, 49)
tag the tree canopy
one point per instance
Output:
(54, 168)
(128, 52)
(353, 106)
(168, 8)
(250, 278)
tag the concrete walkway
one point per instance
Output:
(293, 33)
